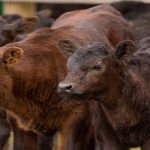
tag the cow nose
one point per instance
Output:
(65, 87)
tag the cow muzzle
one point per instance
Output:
(67, 88)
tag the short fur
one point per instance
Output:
(22, 139)
(120, 84)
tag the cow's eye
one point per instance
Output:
(97, 67)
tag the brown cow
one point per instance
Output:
(22, 139)
(39, 107)
(33, 68)
(120, 81)
(104, 23)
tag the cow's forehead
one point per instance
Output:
(97, 49)
(88, 54)
(93, 49)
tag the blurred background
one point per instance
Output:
(137, 12)
(29, 7)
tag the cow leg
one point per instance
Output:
(77, 134)
(4, 129)
(23, 140)
(105, 132)
(45, 143)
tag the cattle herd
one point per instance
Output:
(80, 82)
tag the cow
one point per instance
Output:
(46, 111)
(44, 16)
(35, 66)
(138, 14)
(119, 80)
(22, 139)
(16, 31)
(103, 21)
(11, 18)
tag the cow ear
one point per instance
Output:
(125, 48)
(26, 25)
(67, 46)
(12, 55)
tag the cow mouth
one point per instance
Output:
(69, 88)
(83, 97)
(72, 92)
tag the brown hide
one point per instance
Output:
(100, 23)
(22, 139)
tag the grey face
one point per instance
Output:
(86, 69)
(93, 70)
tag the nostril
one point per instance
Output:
(65, 86)
(68, 87)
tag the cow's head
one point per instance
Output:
(92, 68)
(17, 30)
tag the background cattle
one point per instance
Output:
(120, 81)
(138, 14)
(45, 19)
(31, 93)
(16, 31)
(107, 24)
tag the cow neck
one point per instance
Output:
(127, 96)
